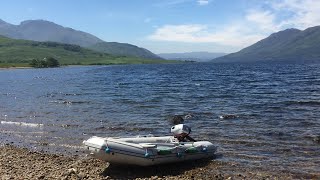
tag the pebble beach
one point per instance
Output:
(22, 163)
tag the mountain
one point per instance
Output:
(287, 45)
(191, 56)
(41, 30)
(123, 49)
(15, 52)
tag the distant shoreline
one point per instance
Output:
(7, 68)
(84, 65)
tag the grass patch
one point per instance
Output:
(19, 53)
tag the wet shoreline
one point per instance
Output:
(22, 163)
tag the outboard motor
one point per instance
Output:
(181, 131)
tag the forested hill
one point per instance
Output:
(21, 53)
(120, 49)
(41, 30)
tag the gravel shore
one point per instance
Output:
(21, 163)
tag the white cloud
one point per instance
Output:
(264, 21)
(255, 25)
(182, 33)
(304, 13)
(235, 35)
(203, 2)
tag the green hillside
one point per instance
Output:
(120, 49)
(287, 45)
(44, 31)
(21, 52)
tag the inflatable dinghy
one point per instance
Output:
(150, 150)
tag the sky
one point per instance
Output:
(171, 26)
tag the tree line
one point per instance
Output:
(68, 47)
(48, 62)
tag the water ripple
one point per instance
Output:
(270, 112)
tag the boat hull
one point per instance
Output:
(147, 151)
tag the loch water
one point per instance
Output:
(276, 108)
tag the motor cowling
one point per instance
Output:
(181, 131)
